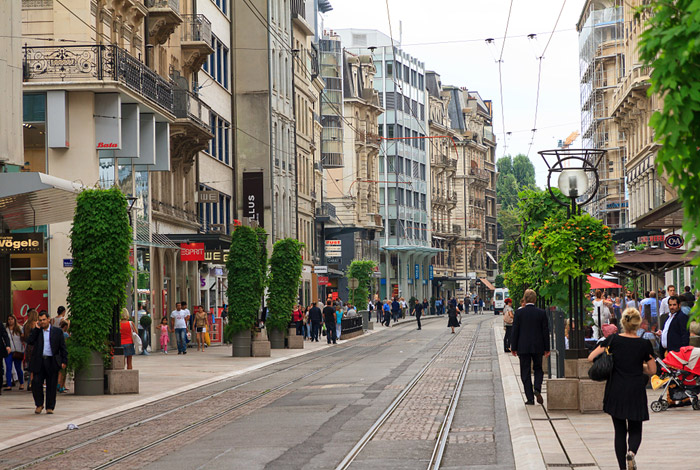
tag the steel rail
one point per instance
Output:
(367, 437)
(200, 400)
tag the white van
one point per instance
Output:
(500, 294)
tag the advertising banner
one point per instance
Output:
(24, 300)
(253, 197)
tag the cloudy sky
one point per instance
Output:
(449, 36)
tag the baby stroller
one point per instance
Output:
(680, 379)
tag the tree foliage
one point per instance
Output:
(100, 240)
(671, 47)
(361, 270)
(245, 283)
(524, 171)
(285, 274)
(515, 175)
(499, 281)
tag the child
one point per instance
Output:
(164, 335)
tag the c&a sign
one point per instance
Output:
(191, 251)
(15, 243)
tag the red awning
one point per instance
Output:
(597, 283)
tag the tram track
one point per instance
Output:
(206, 420)
(444, 430)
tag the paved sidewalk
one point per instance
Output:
(587, 439)
(160, 376)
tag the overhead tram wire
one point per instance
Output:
(500, 77)
(539, 77)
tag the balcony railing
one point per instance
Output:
(97, 62)
(298, 8)
(173, 211)
(456, 229)
(172, 4)
(479, 174)
(196, 28)
(188, 105)
(326, 210)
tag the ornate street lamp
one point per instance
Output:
(576, 172)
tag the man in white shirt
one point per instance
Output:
(663, 309)
(178, 323)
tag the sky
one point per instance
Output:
(463, 58)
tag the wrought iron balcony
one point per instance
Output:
(298, 8)
(196, 41)
(479, 174)
(96, 63)
(325, 212)
(188, 105)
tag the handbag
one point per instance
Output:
(602, 367)
(206, 338)
(16, 355)
(136, 339)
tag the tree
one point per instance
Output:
(101, 271)
(524, 172)
(507, 191)
(508, 220)
(361, 270)
(670, 46)
(244, 281)
(505, 165)
(285, 274)
(499, 282)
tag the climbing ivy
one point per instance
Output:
(100, 240)
(245, 286)
(361, 270)
(670, 46)
(285, 274)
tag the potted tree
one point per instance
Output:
(244, 289)
(97, 283)
(285, 274)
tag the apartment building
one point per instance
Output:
(602, 64)
(445, 222)
(471, 117)
(404, 193)
(108, 102)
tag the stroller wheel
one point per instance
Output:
(656, 406)
(696, 404)
(664, 405)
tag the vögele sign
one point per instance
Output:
(15, 243)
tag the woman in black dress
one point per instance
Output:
(452, 318)
(625, 392)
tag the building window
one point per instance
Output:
(389, 69)
(416, 200)
(217, 65)
(406, 73)
(398, 71)
(219, 146)
(215, 216)
(421, 83)
(401, 197)
(422, 171)
(223, 5)
(422, 202)
(409, 198)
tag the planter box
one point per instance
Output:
(583, 366)
(91, 379)
(295, 342)
(590, 395)
(276, 339)
(260, 349)
(117, 363)
(118, 382)
(241, 344)
(260, 335)
(562, 394)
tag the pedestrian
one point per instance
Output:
(438, 306)
(315, 317)
(476, 305)
(307, 325)
(632, 301)
(426, 305)
(404, 307)
(395, 309)
(329, 316)
(481, 306)
(164, 335)
(60, 316)
(507, 323)
(338, 319)
(460, 308)
(379, 307)
(15, 356)
(298, 319)
(29, 325)
(452, 321)
(386, 310)
(62, 373)
(617, 309)
(600, 310)
(625, 398)
(417, 311)
(178, 324)
(530, 341)
(49, 355)
(126, 328)
(674, 334)
(200, 324)
(5, 352)
(144, 332)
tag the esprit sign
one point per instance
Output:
(191, 251)
(15, 243)
(673, 241)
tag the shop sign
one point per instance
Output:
(16, 243)
(253, 196)
(321, 269)
(216, 256)
(417, 271)
(430, 272)
(673, 241)
(323, 281)
(25, 300)
(650, 239)
(191, 251)
(207, 196)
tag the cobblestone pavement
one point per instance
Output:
(308, 412)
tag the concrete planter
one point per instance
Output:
(91, 379)
(241, 344)
(276, 339)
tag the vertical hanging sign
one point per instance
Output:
(253, 197)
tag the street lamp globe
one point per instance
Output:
(573, 182)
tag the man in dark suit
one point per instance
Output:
(674, 334)
(530, 341)
(48, 357)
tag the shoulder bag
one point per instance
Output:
(138, 345)
(602, 367)
(16, 355)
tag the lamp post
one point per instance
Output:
(576, 171)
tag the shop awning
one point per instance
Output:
(28, 199)
(654, 261)
(487, 283)
(598, 283)
(667, 216)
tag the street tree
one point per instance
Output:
(524, 171)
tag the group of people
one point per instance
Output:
(187, 327)
(39, 347)
(319, 319)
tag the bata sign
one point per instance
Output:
(15, 243)
(191, 251)
(103, 145)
